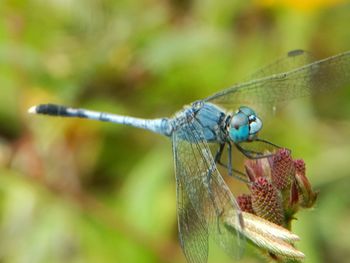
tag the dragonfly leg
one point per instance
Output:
(270, 143)
(258, 155)
(219, 153)
(229, 161)
(236, 174)
(252, 154)
(232, 172)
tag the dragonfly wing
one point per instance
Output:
(326, 74)
(291, 60)
(210, 199)
(193, 230)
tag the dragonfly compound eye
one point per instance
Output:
(255, 125)
(247, 111)
(244, 125)
(239, 127)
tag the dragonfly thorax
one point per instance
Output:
(244, 125)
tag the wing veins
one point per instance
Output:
(203, 203)
(300, 80)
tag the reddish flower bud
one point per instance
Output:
(278, 188)
(308, 197)
(299, 166)
(245, 203)
(266, 202)
(282, 169)
(257, 168)
(294, 195)
(254, 169)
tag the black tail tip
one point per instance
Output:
(48, 109)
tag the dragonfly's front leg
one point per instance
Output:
(270, 143)
(255, 154)
(251, 154)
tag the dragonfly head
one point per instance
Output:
(244, 125)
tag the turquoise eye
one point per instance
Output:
(251, 118)
(244, 125)
(255, 126)
(247, 111)
(239, 127)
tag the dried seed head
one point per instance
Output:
(282, 169)
(270, 237)
(266, 201)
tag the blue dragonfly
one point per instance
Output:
(203, 198)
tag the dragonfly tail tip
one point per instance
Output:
(32, 110)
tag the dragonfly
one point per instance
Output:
(225, 119)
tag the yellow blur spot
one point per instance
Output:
(303, 5)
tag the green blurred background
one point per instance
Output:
(82, 191)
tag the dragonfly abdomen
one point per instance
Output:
(160, 125)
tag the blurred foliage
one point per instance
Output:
(83, 191)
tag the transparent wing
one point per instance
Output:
(326, 74)
(193, 230)
(292, 60)
(207, 197)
